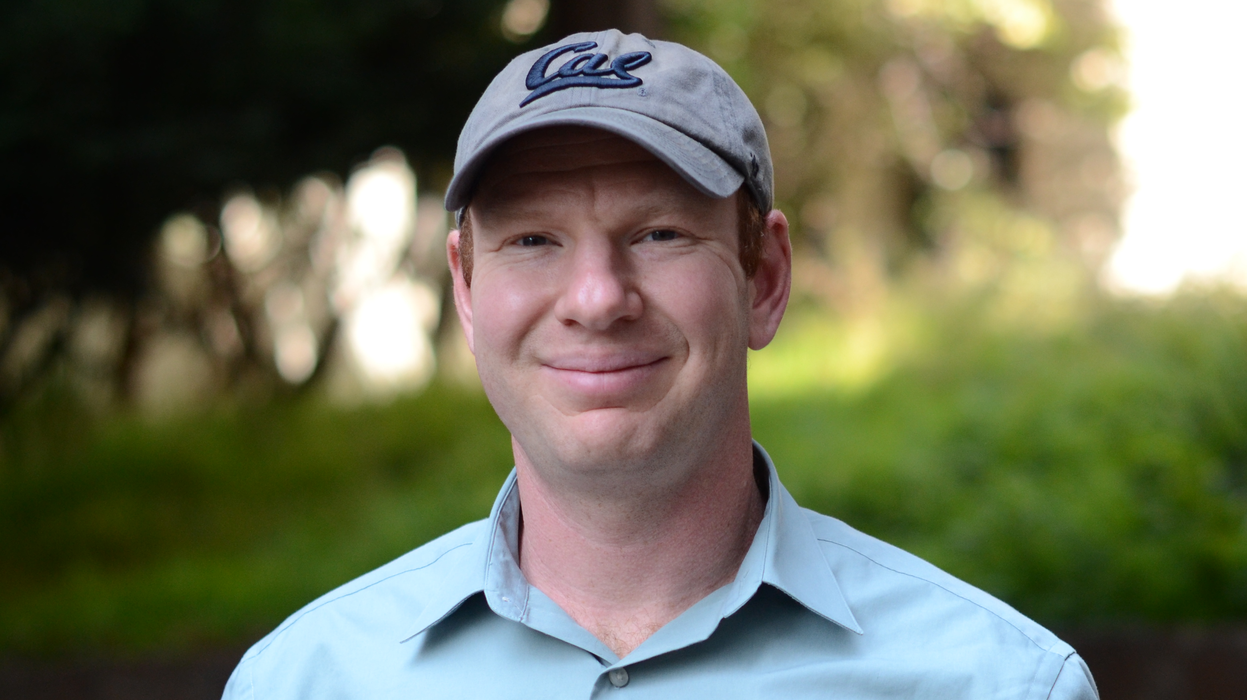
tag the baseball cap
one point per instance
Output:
(675, 102)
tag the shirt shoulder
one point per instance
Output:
(372, 609)
(880, 568)
(908, 601)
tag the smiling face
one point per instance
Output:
(608, 310)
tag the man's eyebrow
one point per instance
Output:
(518, 211)
(507, 218)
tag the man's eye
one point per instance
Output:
(534, 240)
(662, 234)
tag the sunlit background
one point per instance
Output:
(358, 264)
(1184, 145)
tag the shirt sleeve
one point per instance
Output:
(1074, 682)
(239, 686)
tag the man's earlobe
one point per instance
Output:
(772, 282)
(462, 294)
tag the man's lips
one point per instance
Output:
(603, 365)
(604, 376)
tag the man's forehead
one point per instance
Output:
(555, 149)
(559, 153)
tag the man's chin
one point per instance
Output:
(601, 440)
(606, 402)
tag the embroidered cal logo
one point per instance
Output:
(585, 70)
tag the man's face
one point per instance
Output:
(608, 310)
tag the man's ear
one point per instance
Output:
(772, 282)
(463, 295)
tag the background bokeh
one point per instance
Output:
(229, 380)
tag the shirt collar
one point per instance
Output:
(785, 554)
(794, 560)
(491, 553)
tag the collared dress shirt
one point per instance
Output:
(817, 610)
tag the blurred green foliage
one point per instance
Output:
(1087, 470)
(910, 130)
(115, 114)
(209, 529)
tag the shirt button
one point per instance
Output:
(618, 677)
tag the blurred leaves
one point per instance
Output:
(211, 528)
(1086, 471)
(960, 140)
(113, 115)
(896, 125)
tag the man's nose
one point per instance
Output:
(599, 288)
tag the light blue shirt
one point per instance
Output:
(817, 609)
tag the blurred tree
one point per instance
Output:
(114, 115)
(957, 136)
(971, 133)
(640, 16)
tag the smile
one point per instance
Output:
(604, 377)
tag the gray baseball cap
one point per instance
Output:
(675, 102)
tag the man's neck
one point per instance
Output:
(625, 565)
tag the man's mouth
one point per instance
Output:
(604, 364)
(607, 375)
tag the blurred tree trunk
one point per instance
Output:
(571, 16)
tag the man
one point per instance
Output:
(617, 254)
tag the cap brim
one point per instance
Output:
(699, 165)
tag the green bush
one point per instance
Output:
(210, 529)
(1093, 473)
(1086, 471)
